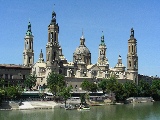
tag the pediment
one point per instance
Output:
(95, 67)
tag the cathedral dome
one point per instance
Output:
(82, 50)
(82, 53)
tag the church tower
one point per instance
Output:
(52, 47)
(28, 53)
(102, 59)
(132, 58)
(41, 60)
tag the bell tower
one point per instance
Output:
(102, 59)
(52, 47)
(28, 53)
(132, 58)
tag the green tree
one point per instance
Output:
(144, 89)
(30, 81)
(12, 92)
(111, 84)
(65, 93)
(130, 89)
(93, 87)
(2, 94)
(55, 82)
(82, 98)
(89, 86)
(118, 89)
(2, 83)
(155, 89)
(103, 85)
(120, 93)
(86, 85)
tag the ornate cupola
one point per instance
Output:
(82, 40)
(102, 40)
(82, 53)
(29, 32)
(119, 66)
(53, 21)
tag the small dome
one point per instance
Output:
(82, 50)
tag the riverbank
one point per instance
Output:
(27, 105)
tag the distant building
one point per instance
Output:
(14, 74)
(148, 79)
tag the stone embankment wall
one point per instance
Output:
(15, 105)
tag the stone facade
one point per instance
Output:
(81, 68)
(14, 74)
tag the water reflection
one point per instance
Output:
(145, 111)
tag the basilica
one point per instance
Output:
(81, 68)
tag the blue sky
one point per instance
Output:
(114, 17)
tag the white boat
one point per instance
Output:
(70, 107)
(84, 108)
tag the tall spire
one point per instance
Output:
(41, 57)
(29, 32)
(41, 54)
(53, 21)
(82, 39)
(102, 39)
(82, 34)
(132, 33)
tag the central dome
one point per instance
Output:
(82, 50)
(82, 53)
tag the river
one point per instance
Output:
(139, 111)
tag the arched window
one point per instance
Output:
(54, 56)
(48, 56)
(27, 45)
(51, 37)
(135, 64)
(55, 37)
(130, 63)
(30, 45)
(61, 64)
(29, 60)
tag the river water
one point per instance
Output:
(139, 111)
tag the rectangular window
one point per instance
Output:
(11, 76)
(6, 76)
(24, 76)
(29, 59)
(1, 75)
